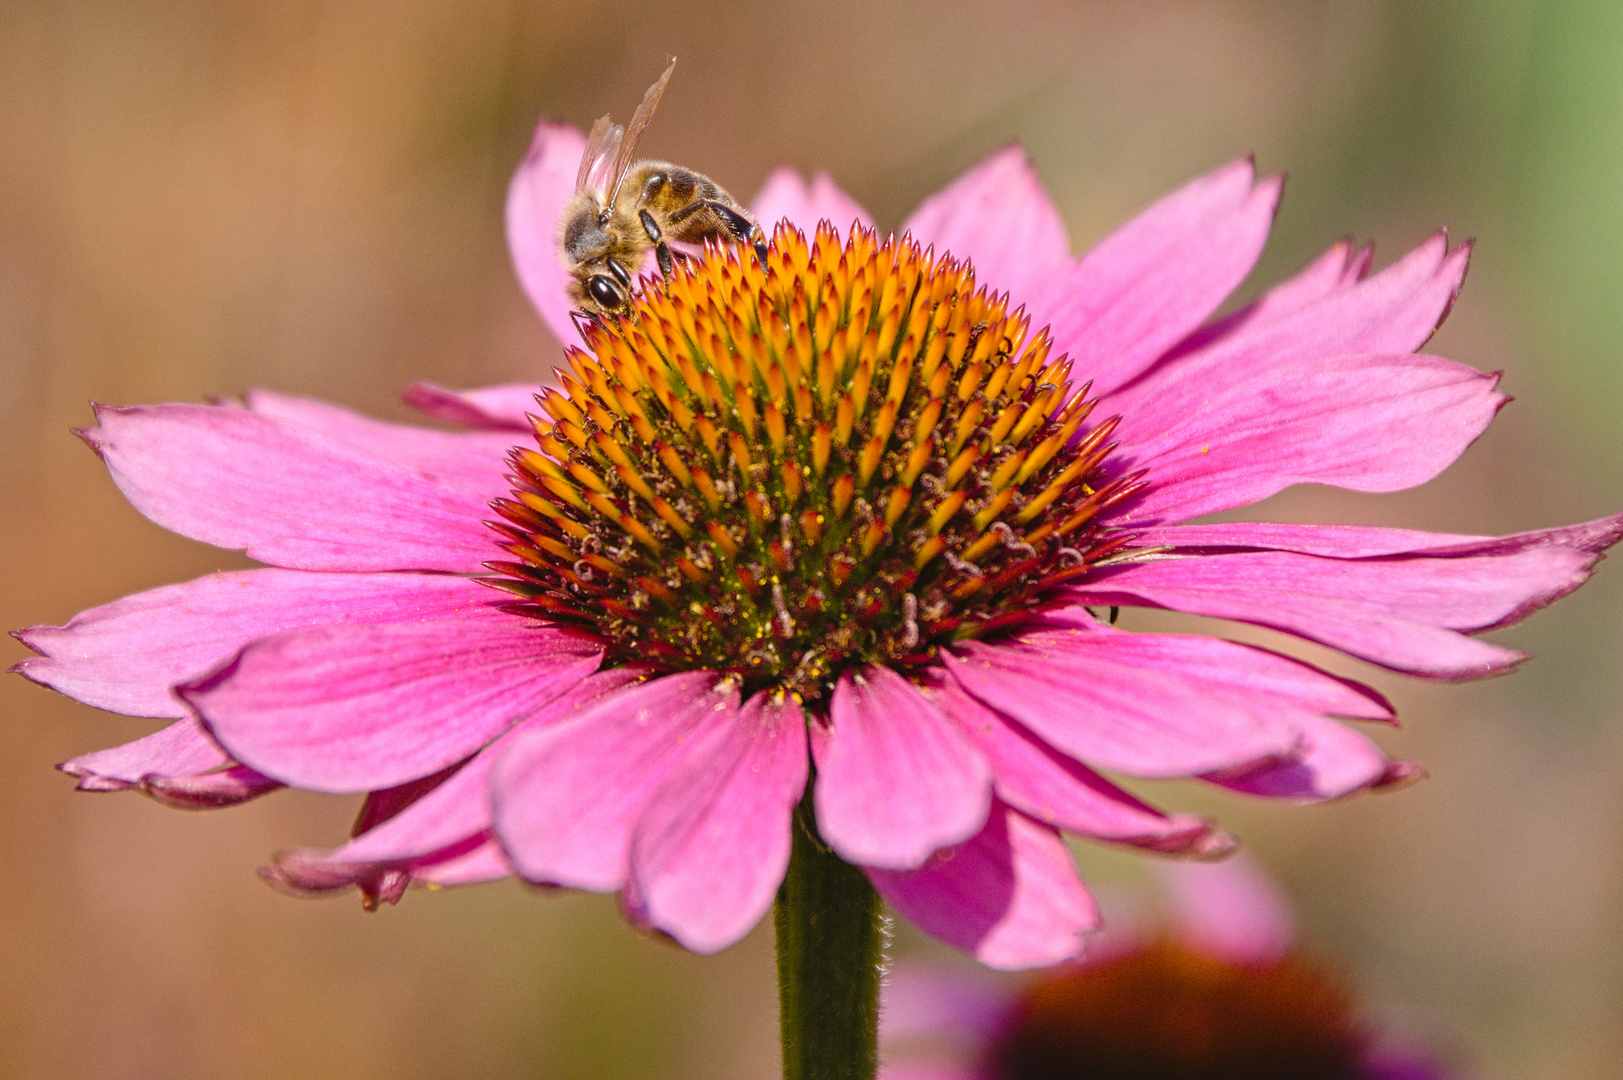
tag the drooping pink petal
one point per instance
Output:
(358, 708)
(1229, 910)
(1394, 312)
(211, 790)
(483, 863)
(490, 408)
(1409, 614)
(1154, 280)
(459, 807)
(567, 799)
(306, 872)
(312, 872)
(541, 187)
(1035, 779)
(786, 195)
(1361, 542)
(287, 494)
(181, 749)
(712, 846)
(127, 655)
(1009, 895)
(473, 460)
(896, 779)
(1333, 761)
(1153, 705)
(1365, 423)
(998, 216)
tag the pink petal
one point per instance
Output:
(358, 708)
(476, 461)
(1035, 779)
(1360, 542)
(1154, 705)
(1228, 910)
(181, 749)
(1333, 761)
(492, 408)
(483, 863)
(1154, 280)
(922, 1001)
(896, 780)
(1009, 895)
(209, 791)
(125, 656)
(1366, 423)
(710, 850)
(179, 766)
(306, 872)
(567, 799)
(459, 807)
(286, 493)
(541, 187)
(786, 195)
(311, 872)
(1395, 311)
(1407, 614)
(384, 804)
(1246, 669)
(1340, 267)
(998, 216)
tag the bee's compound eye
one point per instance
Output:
(605, 292)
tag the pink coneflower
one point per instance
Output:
(855, 514)
(1219, 991)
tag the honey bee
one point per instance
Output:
(623, 209)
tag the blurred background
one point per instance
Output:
(198, 196)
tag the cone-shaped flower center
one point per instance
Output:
(1165, 1013)
(848, 455)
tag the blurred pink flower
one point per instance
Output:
(368, 657)
(1213, 989)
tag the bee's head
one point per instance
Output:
(584, 235)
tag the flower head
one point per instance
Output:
(785, 473)
(1219, 992)
(854, 511)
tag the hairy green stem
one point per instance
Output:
(830, 948)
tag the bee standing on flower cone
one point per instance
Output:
(623, 209)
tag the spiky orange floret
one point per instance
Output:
(848, 454)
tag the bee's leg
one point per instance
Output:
(662, 251)
(743, 229)
(584, 319)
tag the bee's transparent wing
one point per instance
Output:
(633, 133)
(597, 163)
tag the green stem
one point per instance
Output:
(830, 948)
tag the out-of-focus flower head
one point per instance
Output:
(1215, 992)
(856, 512)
